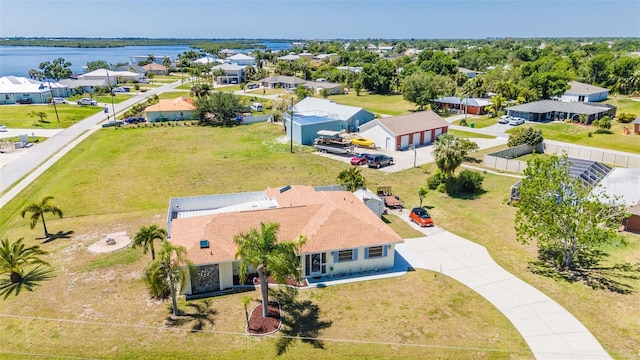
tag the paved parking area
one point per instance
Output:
(407, 159)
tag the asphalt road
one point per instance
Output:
(16, 175)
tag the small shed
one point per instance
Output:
(636, 126)
(373, 201)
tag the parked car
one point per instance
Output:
(252, 86)
(121, 89)
(87, 101)
(3, 128)
(421, 217)
(379, 160)
(112, 123)
(504, 119)
(25, 100)
(515, 121)
(360, 141)
(59, 100)
(135, 120)
(359, 159)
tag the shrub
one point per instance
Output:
(625, 118)
(442, 188)
(436, 180)
(603, 124)
(527, 135)
(470, 182)
(463, 122)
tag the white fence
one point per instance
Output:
(506, 159)
(255, 119)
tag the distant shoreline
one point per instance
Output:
(122, 42)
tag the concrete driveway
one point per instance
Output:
(550, 330)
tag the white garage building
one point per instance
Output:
(402, 132)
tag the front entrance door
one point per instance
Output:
(315, 264)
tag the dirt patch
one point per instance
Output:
(259, 325)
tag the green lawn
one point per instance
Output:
(469, 134)
(579, 134)
(380, 104)
(17, 116)
(479, 122)
(266, 91)
(229, 88)
(625, 105)
(121, 179)
(174, 94)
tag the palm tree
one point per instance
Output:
(422, 192)
(261, 249)
(145, 237)
(38, 209)
(38, 114)
(449, 153)
(13, 260)
(583, 118)
(352, 178)
(166, 271)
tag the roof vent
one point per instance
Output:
(204, 244)
(288, 187)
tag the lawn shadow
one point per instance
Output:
(610, 278)
(468, 196)
(198, 313)
(58, 235)
(300, 320)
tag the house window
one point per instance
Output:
(345, 255)
(375, 252)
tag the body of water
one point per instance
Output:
(18, 60)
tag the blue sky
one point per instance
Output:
(315, 19)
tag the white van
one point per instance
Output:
(256, 106)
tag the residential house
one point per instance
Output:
(233, 74)
(313, 114)
(157, 69)
(284, 82)
(241, 59)
(580, 92)
(208, 60)
(306, 55)
(636, 126)
(343, 236)
(289, 58)
(404, 131)
(132, 68)
(15, 88)
(470, 73)
(171, 110)
(112, 77)
(84, 86)
(318, 86)
(475, 106)
(323, 57)
(353, 69)
(550, 110)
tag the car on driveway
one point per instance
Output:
(3, 128)
(515, 121)
(87, 101)
(359, 159)
(121, 89)
(59, 100)
(25, 100)
(504, 119)
(135, 120)
(379, 160)
(421, 217)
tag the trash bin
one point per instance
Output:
(472, 125)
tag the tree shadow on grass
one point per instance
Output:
(610, 278)
(198, 313)
(300, 320)
(58, 235)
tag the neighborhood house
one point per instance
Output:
(171, 109)
(404, 131)
(344, 237)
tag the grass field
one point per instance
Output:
(469, 134)
(17, 116)
(579, 134)
(122, 179)
(380, 104)
(266, 91)
(480, 121)
(625, 105)
(174, 94)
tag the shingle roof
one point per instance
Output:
(284, 79)
(179, 104)
(241, 57)
(331, 220)
(412, 123)
(289, 57)
(17, 84)
(322, 84)
(545, 106)
(228, 67)
(579, 88)
(458, 101)
(154, 66)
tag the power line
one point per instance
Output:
(149, 327)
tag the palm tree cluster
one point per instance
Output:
(38, 209)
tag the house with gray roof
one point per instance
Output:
(552, 110)
(241, 59)
(581, 92)
(233, 74)
(284, 82)
(470, 73)
(404, 131)
(318, 86)
(15, 88)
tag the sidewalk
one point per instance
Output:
(550, 330)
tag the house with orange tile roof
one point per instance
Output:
(171, 110)
(343, 235)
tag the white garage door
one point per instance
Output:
(416, 139)
(438, 133)
(427, 137)
(404, 142)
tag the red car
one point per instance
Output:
(421, 217)
(359, 159)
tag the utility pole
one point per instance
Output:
(55, 107)
(113, 108)
(291, 125)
